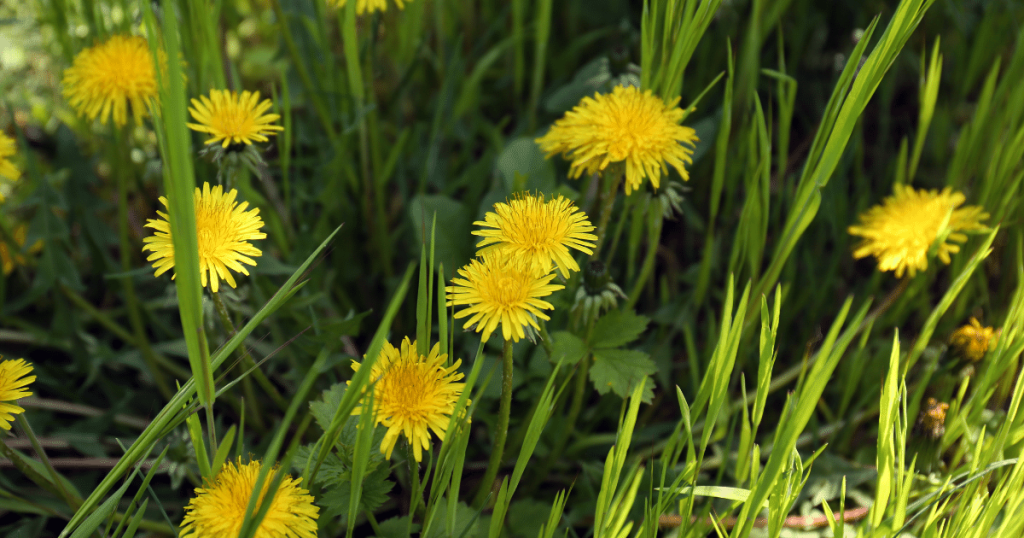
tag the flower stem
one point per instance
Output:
(414, 481)
(654, 225)
(610, 181)
(247, 361)
(504, 410)
(134, 318)
(73, 500)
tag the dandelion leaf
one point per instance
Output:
(397, 527)
(569, 346)
(618, 328)
(376, 487)
(619, 370)
(324, 408)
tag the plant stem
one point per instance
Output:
(501, 432)
(72, 500)
(654, 225)
(414, 481)
(247, 361)
(134, 318)
(610, 181)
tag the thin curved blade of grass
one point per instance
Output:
(172, 412)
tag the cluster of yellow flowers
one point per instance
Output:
(104, 82)
(526, 243)
(107, 78)
(522, 241)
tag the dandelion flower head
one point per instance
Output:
(7, 168)
(626, 125)
(413, 394)
(233, 118)
(369, 6)
(499, 288)
(538, 231)
(218, 509)
(973, 340)
(224, 229)
(104, 79)
(901, 231)
(13, 386)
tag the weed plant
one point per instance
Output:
(528, 268)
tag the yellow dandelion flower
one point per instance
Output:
(218, 509)
(7, 168)
(542, 232)
(224, 229)
(13, 387)
(106, 78)
(233, 118)
(625, 125)
(900, 232)
(501, 288)
(413, 394)
(973, 340)
(369, 6)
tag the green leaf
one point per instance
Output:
(451, 247)
(376, 487)
(466, 521)
(332, 472)
(523, 156)
(530, 516)
(619, 370)
(568, 347)
(331, 332)
(324, 408)
(94, 520)
(618, 328)
(397, 527)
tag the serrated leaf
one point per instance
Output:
(324, 408)
(567, 345)
(466, 521)
(619, 370)
(396, 527)
(376, 487)
(618, 328)
(331, 471)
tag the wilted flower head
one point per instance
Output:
(932, 420)
(972, 341)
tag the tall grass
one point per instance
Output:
(751, 378)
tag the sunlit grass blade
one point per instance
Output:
(172, 413)
(253, 516)
(361, 379)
